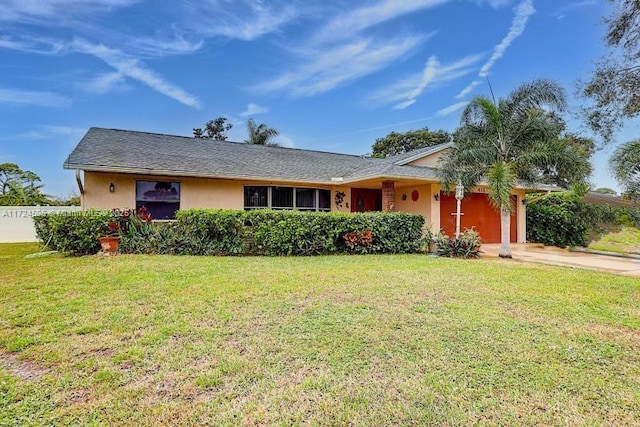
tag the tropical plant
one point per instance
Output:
(614, 86)
(625, 164)
(501, 142)
(467, 245)
(261, 134)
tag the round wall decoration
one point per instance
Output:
(415, 195)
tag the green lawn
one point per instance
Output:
(625, 240)
(362, 340)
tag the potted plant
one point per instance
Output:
(110, 243)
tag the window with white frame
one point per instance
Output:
(307, 199)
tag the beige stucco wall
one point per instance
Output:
(228, 194)
(194, 192)
(422, 206)
(430, 161)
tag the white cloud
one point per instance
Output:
(348, 24)
(564, 11)
(48, 132)
(164, 46)
(327, 69)
(430, 72)
(253, 109)
(451, 109)
(41, 10)
(103, 83)
(407, 90)
(27, 97)
(248, 19)
(135, 69)
(495, 3)
(522, 13)
(37, 45)
(467, 90)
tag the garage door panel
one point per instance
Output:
(476, 212)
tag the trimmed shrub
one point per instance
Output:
(73, 232)
(318, 233)
(259, 232)
(467, 245)
(564, 219)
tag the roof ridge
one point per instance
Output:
(233, 142)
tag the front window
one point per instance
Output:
(256, 197)
(282, 198)
(161, 198)
(308, 199)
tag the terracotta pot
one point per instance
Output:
(110, 244)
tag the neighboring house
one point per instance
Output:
(124, 169)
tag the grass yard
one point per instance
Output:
(360, 340)
(626, 240)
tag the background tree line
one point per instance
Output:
(23, 188)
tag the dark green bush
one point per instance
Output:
(259, 232)
(73, 232)
(564, 219)
(467, 245)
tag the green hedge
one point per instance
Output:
(564, 219)
(258, 232)
(73, 232)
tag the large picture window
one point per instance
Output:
(161, 198)
(308, 199)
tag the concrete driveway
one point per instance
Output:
(555, 256)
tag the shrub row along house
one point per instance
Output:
(165, 173)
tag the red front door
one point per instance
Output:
(366, 200)
(476, 212)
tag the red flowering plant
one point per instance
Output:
(122, 220)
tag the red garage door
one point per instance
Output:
(477, 212)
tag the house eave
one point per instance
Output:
(424, 154)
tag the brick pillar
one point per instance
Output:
(388, 196)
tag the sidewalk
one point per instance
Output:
(535, 252)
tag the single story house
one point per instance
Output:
(127, 169)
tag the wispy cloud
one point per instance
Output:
(39, 45)
(347, 24)
(177, 44)
(253, 109)
(49, 132)
(135, 69)
(103, 83)
(406, 91)
(329, 68)
(468, 89)
(246, 20)
(564, 11)
(27, 97)
(523, 11)
(451, 109)
(41, 10)
(494, 3)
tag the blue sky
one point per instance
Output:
(331, 75)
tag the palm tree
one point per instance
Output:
(261, 134)
(512, 140)
(625, 164)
